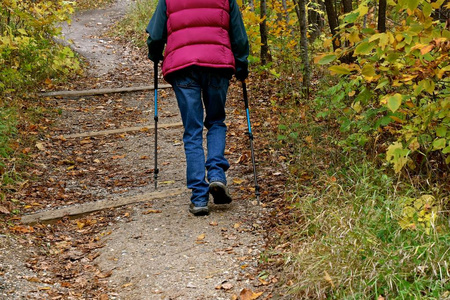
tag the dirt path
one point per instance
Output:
(153, 249)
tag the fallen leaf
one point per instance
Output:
(4, 210)
(22, 229)
(213, 223)
(118, 156)
(226, 286)
(201, 237)
(104, 297)
(127, 284)
(237, 181)
(152, 211)
(106, 275)
(80, 224)
(237, 225)
(242, 158)
(328, 278)
(40, 146)
(80, 159)
(247, 294)
(85, 141)
(168, 182)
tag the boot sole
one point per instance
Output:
(219, 193)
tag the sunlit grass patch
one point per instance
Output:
(133, 25)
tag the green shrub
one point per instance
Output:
(28, 55)
(398, 90)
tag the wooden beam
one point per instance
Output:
(119, 130)
(89, 207)
(102, 91)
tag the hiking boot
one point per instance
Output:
(220, 193)
(199, 210)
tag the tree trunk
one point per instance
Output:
(347, 4)
(304, 46)
(333, 21)
(263, 31)
(382, 16)
(315, 20)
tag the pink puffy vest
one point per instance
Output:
(197, 34)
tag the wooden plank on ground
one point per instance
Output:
(119, 130)
(102, 91)
(89, 207)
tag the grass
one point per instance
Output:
(132, 27)
(347, 241)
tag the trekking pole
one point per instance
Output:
(250, 135)
(156, 171)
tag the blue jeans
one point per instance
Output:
(200, 91)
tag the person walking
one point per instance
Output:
(205, 44)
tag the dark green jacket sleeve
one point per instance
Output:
(157, 32)
(239, 41)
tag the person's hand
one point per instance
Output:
(155, 57)
(155, 50)
(241, 73)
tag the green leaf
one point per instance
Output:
(392, 57)
(446, 150)
(351, 17)
(339, 70)
(364, 48)
(368, 70)
(294, 135)
(441, 131)
(368, 30)
(439, 144)
(327, 59)
(394, 102)
(426, 8)
(412, 4)
(397, 156)
(383, 82)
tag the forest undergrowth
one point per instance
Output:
(352, 228)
